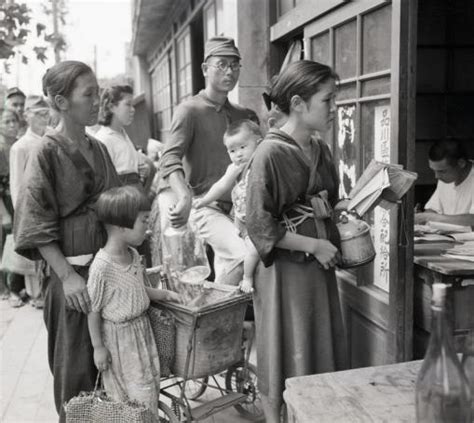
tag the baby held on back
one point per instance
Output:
(241, 139)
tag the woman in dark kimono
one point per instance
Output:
(291, 187)
(55, 220)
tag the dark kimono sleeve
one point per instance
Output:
(36, 220)
(270, 189)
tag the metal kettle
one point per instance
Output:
(357, 247)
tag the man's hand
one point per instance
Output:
(179, 214)
(423, 218)
(75, 291)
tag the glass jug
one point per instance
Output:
(184, 255)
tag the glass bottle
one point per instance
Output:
(184, 255)
(442, 390)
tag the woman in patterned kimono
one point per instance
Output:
(291, 187)
(55, 220)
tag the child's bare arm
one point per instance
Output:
(101, 354)
(156, 294)
(221, 187)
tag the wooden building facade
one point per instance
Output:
(406, 80)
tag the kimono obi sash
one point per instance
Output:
(313, 219)
(81, 232)
(318, 209)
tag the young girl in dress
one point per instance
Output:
(117, 112)
(241, 139)
(124, 347)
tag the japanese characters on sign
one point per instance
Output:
(381, 227)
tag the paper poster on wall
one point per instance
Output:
(381, 227)
(346, 149)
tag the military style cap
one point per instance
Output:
(220, 46)
(34, 102)
(14, 91)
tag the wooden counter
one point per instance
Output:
(430, 267)
(370, 394)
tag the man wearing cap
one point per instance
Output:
(195, 157)
(37, 117)
(15, 100)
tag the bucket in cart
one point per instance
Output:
(208, 338)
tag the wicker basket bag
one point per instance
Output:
(97, 407)
(163, 325)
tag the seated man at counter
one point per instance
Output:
(453, 199)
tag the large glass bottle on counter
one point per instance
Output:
(442, 390)
(184, 255)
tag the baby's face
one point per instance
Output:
(240, 147)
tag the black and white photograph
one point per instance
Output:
(230, 211)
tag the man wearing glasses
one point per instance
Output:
(195, 157)
(37, 117)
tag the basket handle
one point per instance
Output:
(122, 393)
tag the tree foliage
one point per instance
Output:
(15, 29)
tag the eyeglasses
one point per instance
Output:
(222, 66)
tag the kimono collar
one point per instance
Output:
(284, 137)
(73, 152)
(218, 107)
(66, 142)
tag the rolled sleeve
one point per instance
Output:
(181, 135)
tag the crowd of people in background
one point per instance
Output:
(246, 195)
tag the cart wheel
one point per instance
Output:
(237, 379)
(165, 414)
(180, 409)
(195, 388)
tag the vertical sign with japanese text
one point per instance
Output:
(381, 227)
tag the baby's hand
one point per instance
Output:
(102, 358)
(246, 285)
(198, 203)
(173, 297)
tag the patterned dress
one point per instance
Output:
(119, 294)
(239, 197)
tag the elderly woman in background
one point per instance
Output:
(12, 284)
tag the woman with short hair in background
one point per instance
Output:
(117, 112)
